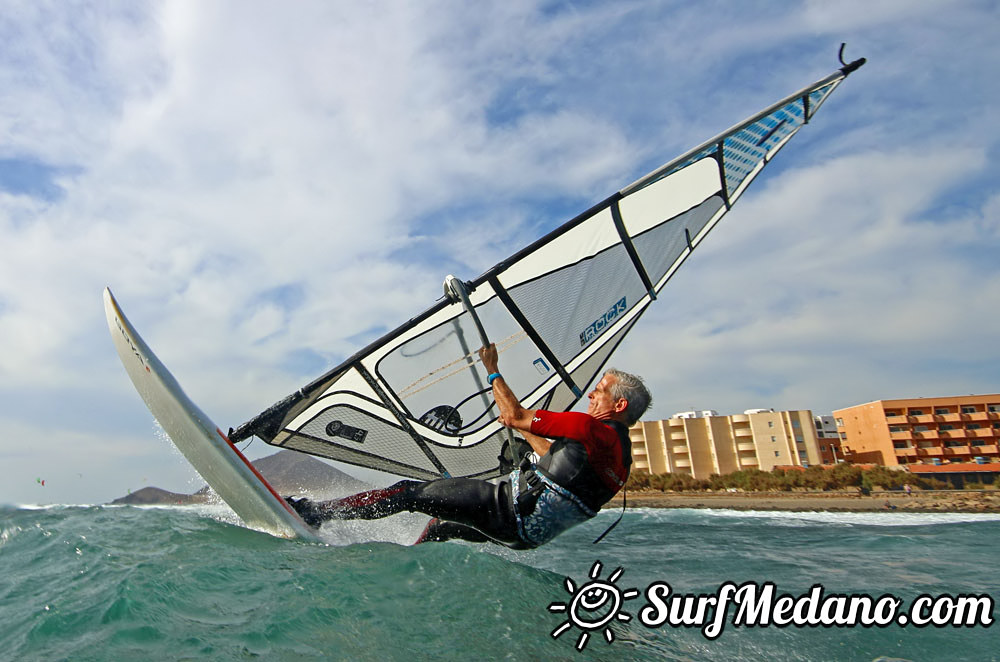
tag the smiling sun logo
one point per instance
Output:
(594, 606)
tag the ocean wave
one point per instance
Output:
(171, 582)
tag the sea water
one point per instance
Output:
(187, 583)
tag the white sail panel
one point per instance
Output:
(579, 243)
(668, 198)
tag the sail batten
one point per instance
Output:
(414, 403)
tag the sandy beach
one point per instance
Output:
(952, 501)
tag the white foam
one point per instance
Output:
(402, 529)
(53, 506)
(879, 518)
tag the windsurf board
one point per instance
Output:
(209, 451)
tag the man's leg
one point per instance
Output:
(479, 504)
(364, 505)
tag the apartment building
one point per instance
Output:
(829, 439)
(960, 429)
(701, 444)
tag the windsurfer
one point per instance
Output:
(584, 461)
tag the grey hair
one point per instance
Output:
(631, 388)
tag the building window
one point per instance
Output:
(972, 426)
(796, 424)
(770, 424)
(941, 411)
(777, 453)
(946, 426)
(773, 438)
(840, 422)
(993, 409)
(916, 412)
(920, 428)
(968, 409)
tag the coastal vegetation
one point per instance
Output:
(839, 478)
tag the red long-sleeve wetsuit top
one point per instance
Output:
(589, 457)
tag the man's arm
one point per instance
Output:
(538, 444)
(512, 414)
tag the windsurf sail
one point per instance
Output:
(415, 402)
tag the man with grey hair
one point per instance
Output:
(583, 461)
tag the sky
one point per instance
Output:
(268, 187)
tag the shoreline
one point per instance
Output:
(943, 501)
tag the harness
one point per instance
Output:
(562, 490)
(542, 508)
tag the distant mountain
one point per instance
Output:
(288, 472)
(291, 472)
(155, 496)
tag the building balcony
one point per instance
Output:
(896, 420)
(746, 446)
(743, 432)
(683, 450)
(683, 464)
(951, 434)
(957, 450)
(980, 432)
(907, 452)
(740, 418)
(922, 418)
(976, 416)
(902, 436)
(949, 418)
(678, 436)
(991, 449)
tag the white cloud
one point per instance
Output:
(828, 286)
(266, 189)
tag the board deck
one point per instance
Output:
(209, 451)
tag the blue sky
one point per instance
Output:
(267, 189)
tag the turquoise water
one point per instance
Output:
(118, 583)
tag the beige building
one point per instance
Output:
(701, 444)
(945, 430)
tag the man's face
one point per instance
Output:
(602, 404)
